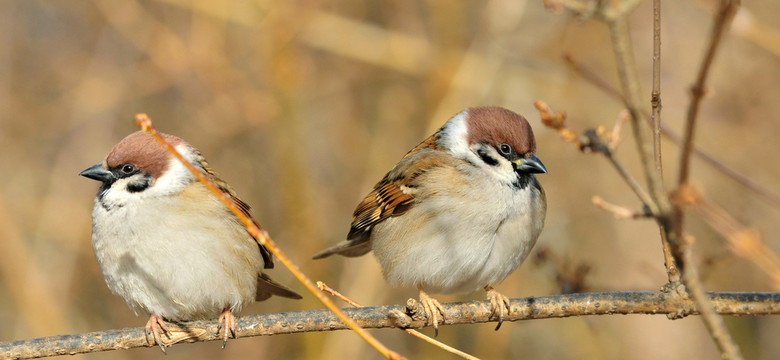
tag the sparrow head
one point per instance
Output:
(495, 139)
(139, 166)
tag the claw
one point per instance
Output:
(227, 326)
(432, 309)
(153, 327)
(499, 304)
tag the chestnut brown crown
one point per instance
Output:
(141, 150)
(494, 125)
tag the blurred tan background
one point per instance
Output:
(303, 106)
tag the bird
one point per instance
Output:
(458, 213)
(167, 245)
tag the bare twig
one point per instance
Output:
(542, 307)
(595, 143)
(621, 46)
(763, 193)
(655, 95)
(145, 123)
(615, 137)
(591, 141)
(722, 20)
(655, 119)
(618, 211)
(324, 287)
(557, 121)
(713, 322)
(661, 206)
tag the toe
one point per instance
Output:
(499, 305)
(153, 327)
(227, 326)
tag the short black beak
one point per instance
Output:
(531, 165)
(96, 172)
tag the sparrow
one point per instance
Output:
(167, 245)
(458, 213)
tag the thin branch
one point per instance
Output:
(542, 307)
(591, 141)
(594, 79)
(262, 237)
(621, 46)
(655, 119)
(620, 212)
(655, 95)
(596, 144)
(722, 20)
(714, 323)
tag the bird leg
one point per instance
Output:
(432, 309)
(499, 304)
(153, 327)
(227, 325)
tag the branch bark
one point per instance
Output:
(542, 307)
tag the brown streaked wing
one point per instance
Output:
(394, 195)
(387, 199)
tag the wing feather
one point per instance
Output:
(394, 195)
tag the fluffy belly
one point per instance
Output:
(455, 252)
(193, 273)
(177, 288)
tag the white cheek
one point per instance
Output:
(173, 181)
(177, 176)
(504, 172)
(453, 138)
(453, 135)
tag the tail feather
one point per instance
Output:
(266, 287)
(348, 248)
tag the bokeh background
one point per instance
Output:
(302, 106)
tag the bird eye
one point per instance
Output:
(505, 149)
(128, 168)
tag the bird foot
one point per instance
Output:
(499, 304)
(227, 326)
(153, 328)
(432, 309)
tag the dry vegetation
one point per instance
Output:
(302, 106)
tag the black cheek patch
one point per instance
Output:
(487, 158)
(139, 186)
